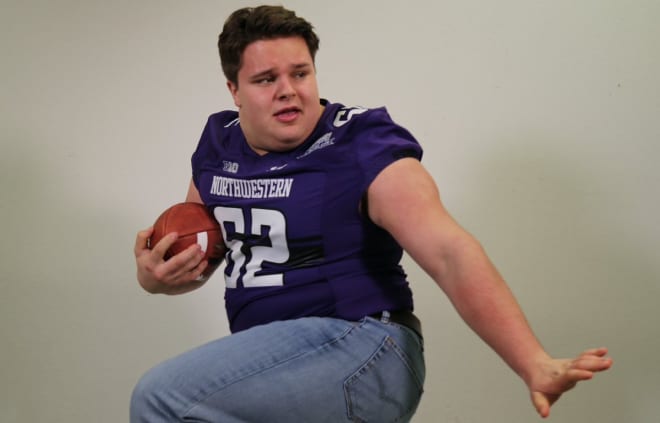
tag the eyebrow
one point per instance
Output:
(270, 71)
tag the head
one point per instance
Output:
(267, 55)
(249, 24)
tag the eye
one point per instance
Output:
(300, 74)
(264, 80)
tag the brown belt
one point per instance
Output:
(402, 317)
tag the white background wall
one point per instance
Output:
(540, 121)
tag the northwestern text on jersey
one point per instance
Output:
(251, 188)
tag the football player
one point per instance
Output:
(317, 201)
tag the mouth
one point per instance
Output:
(288, 114)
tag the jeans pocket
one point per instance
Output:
(386, 388)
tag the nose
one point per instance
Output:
(285, 89)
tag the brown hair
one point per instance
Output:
(250, 24)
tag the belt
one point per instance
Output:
(402, 317)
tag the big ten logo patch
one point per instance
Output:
(231, 167)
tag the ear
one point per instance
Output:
(233, 90)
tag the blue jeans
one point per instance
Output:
(305, 370)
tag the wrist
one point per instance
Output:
(530, 370)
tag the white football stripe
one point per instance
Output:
(203, 240)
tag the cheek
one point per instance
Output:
(257, 101)
(310, 92)
(254, 112)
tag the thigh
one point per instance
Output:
(311, 369)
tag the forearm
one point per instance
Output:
(487, 305)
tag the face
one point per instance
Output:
(277, 95)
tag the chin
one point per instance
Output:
(286, 145)
(290, 139)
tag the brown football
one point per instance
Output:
(195, 225)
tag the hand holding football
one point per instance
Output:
(194, 225)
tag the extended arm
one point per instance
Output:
(405, 201)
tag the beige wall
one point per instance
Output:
(540, 121)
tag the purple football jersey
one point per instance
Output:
(298, 244)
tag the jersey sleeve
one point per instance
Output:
(380, 142)
(199, 154)
(209, 146)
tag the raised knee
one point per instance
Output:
(147, 401)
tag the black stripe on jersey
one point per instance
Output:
(303, 252)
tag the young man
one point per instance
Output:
(316, 201)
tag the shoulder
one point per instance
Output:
(341, 116)
(222, 128)
(224, 119)
(371, 130)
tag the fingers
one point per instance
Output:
(160, 249)
(585, 365)
(141, 239)
(598, 352)
(183, 267)
(593, 360)
(592, 364)
(187, 280)
(573, 376)
(542, 403)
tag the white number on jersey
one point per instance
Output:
(344, 115)
(276, 252)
